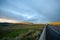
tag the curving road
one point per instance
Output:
(50, 33)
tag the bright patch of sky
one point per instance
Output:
(36, 11)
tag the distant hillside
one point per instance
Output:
(24, 23)
(5, 24)
(55, 23)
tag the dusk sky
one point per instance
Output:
(36, 11)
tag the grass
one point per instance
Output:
(18, 30)
(13, 33)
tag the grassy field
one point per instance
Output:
(21, 31)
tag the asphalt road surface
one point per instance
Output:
(50, 33)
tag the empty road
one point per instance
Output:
(50, 33)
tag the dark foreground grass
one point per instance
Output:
(22, 32)
(12, 33)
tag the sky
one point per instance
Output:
(35, 11)
(2, 20)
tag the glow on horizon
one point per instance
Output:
(8, 20)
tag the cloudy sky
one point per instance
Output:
(36, 11)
